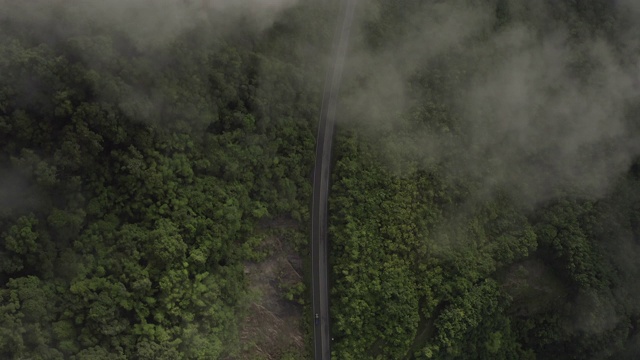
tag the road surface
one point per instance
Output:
(320, 287)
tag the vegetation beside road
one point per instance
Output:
(138, 182)
(435, 255)
(133, 181)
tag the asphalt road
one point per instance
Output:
(321, 177)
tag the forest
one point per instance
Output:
(134, 175)
(486, 188)
(485, 199)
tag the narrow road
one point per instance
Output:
(320, 287)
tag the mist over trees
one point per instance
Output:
(485, 193)
(485, 197)
(139, 148)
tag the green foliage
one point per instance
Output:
(144, 175)
(133, 181)
(408, 262)
(435, 261)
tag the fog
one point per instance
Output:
(16, 195)
(149, 23)
(516, 114)
(537, 105)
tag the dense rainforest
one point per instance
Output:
(485, 195)
(137, 171)
(487, 207)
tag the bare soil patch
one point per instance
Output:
(273, 326)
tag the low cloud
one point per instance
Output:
(534, 121)
(534, 105)
(149, 23)
(380, 90)
(16, 196)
